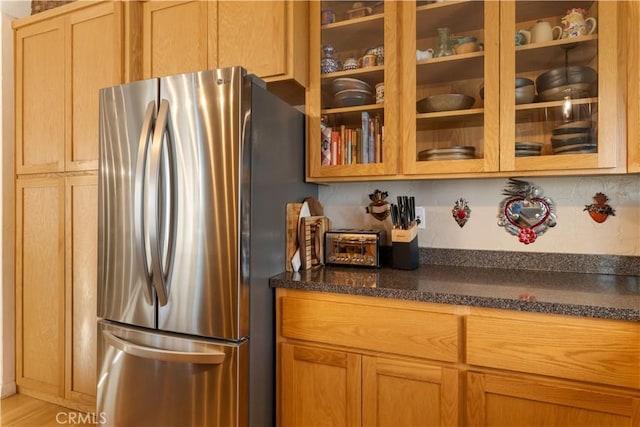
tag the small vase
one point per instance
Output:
(445, 43)
(328, 63)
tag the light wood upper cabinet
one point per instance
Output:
(175, 37)
(40, 94)
(58, 75)
(437, 143)
(425, 131)
(631, 25)
(363, 137)
(98, 29)
(600, 105)
(266, 35)
(268, 38)
(496, 123)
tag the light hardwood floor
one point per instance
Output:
(25, 411)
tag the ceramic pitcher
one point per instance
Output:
(541, 31)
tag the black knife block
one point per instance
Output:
(404, 248)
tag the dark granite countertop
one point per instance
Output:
(606, 296)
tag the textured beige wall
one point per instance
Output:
(575, 231)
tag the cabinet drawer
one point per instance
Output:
(592, 350)
(408, 332)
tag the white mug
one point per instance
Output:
(424, 54)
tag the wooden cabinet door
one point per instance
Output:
(403, 393)
(355, 119)
(80, 284)
(319, 387)
(430, 134)
(631, 25)
(253, 34)
(600, 107)
(40, 90)
(175, 37)
(94, 52)
(40, 284)
(495, 400)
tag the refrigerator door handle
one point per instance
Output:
(213, 357)
(139, 193)
(161, 264)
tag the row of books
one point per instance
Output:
(342, 145)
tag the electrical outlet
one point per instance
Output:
(420, 214)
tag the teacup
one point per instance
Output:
(368, 60)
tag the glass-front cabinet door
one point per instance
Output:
(561, 105)
(450, 89)
(352, 100)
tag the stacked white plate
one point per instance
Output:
(574, 137)
(449, 153)
(528, 148)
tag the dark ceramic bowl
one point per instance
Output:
(445, 102)
(564, 76)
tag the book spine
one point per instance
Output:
(335, 136)
(365, 137)
(325, 145)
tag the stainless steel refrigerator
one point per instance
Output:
(195, 171)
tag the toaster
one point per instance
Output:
(353, 247)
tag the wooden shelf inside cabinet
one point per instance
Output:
(456, 15)
(549, 55)
(556, 162)
(460, 118)
(353, 114)
(371, 75)
(550, 104)
(451, 166)
(356, 33)
(449, 68)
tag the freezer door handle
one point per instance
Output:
(139, 197)
(161, 234)
(204, 358)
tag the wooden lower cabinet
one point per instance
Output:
(495, 400)
(40, 285)
(320, 386)
(81, 301)
(323, 386)
(397, 392)
(347, 360)
(56, 271)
